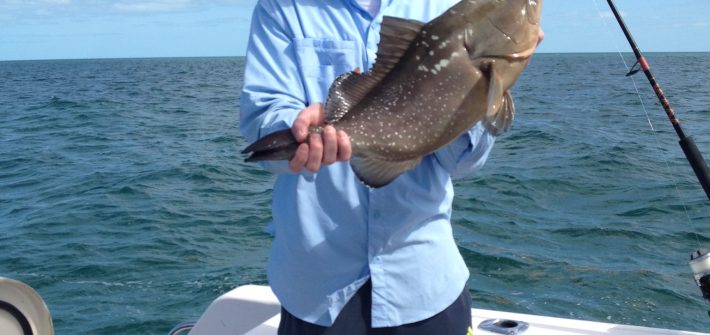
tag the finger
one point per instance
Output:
(302, 124)
(330, 145)
(315, 152)
(309, 116)
(300, 128)
(540, 36)
(299, 159)
(318, 113)
(344, 146)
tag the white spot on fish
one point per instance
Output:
(422, 68)
(442, 64)
(431, 53)
(434, 37)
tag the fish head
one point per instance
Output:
(503, 28)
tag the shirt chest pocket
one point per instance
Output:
(321, 61)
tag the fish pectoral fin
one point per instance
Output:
(500, 109)
(495, 87)
(501, 121)
(375, 172)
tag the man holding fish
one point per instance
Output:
(362, 199)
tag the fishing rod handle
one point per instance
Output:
(697, 162)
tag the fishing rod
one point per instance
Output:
(700, 259)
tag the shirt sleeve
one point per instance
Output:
(468, 153)
(272, 93)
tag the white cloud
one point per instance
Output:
(151, 6)
(702, 24)
(27, 9)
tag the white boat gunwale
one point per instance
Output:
(254, 310)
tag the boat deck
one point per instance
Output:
(254, 310)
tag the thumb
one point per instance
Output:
(312, 115)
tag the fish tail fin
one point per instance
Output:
(280, 145)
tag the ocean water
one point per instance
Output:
(125, 202)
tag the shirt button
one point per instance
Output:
(377, 259)
(376, 215)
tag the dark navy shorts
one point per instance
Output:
(355, 319)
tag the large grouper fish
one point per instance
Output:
(430, 83)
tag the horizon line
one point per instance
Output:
(242, 56)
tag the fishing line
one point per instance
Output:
(655, 136)
(626, 65)
(699, 259)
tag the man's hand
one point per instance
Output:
(317, 149)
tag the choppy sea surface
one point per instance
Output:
(125, 202)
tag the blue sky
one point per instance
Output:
(58, 29)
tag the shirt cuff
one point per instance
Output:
(468, 153)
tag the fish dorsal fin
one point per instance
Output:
(396, 34)
(346, 92)
(349, 89)
(376, 172)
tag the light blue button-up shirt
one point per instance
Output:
(332, 233)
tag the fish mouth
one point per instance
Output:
(517, 57)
